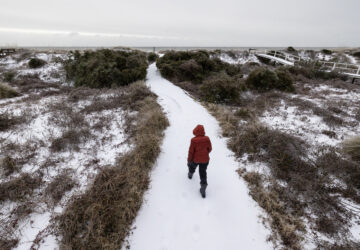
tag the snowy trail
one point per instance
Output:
(174, 216)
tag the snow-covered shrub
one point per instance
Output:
(263, 80)
(106, 68)
(36, 63)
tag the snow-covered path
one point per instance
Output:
(174, 216)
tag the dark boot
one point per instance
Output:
(202, 190)
(190, 175)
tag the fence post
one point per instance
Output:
(275, 54)
(333, 68)
(358, 71)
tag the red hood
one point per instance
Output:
(199, 130)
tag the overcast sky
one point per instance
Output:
(318, 23)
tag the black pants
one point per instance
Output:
(202, 171)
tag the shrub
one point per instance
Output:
(36, 63)
(326, 51)
(9, 76)
(7, 92)
(193, 66)
(263, 79)
(106, 68)
(290, 49)
(313, 71)
(357, 54)
(220, 89)
(285, 81)
(352, 147)
(152, 57)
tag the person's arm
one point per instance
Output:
(209, 146)
(191, 151)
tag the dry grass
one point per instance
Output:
(70, 140)
(61, 184)
(297, 188)
(7, 92)
(7, 121)
(102, 216)
(19, 188)
(8, 166)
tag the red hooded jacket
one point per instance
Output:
(200, 146)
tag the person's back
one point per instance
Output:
(199, 150)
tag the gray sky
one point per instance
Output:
(323, 23)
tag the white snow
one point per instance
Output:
(174, 216)
(52, 71)
(103, 147)
(240, 59)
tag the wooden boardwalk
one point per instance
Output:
(352, 70)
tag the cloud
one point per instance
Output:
(91, 34)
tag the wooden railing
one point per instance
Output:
(343, 68)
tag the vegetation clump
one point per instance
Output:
(102, 216)
(152, 57)
(220, 88)
(326, 51)
(20, 187)
(263, 80)
(35, 63)
(9, 76)
(193, 66)
(352, 147)
(357, 54)
(314, 71)
(7, 92)
(106, 68)
(290, 49)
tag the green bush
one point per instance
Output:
(9, 76)
(106, 68)
(152, 57)
(36, 63)
(313, 71)
(263, 80)
(290, 49)
(285, 81)
(220, 88)
(193, 66)
(357, 54)
(326, 51)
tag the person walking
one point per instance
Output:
(199, 150)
